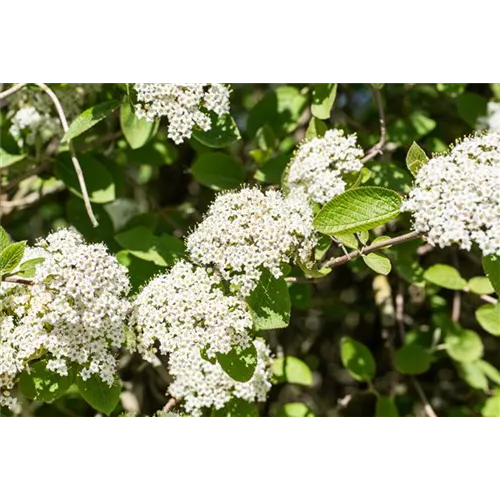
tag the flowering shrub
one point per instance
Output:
(232, 250)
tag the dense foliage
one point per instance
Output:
(250, 249)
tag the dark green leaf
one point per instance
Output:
(270, 303)
(99, 182)
(412, 359)
(237, 408)
(218, 171)
(7, 160)
(222, 134)
(386, 407)
(89, 118)
(357, 210)
(471, 106)
(292, 370)
(43, 385)
(491, 266)
(99, 394)
(239, 363)
(357, 359)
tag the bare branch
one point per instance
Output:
(18, 281)
(338, 261)
(378, 148)
(170, 405)
(74, 159)
(12, 90)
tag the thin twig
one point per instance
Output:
(170, 405)
(12, 90)
(18, 281)
(487, 298)
(379, 147)
(74, 159)
(400, 305)
(338, 261)
(457, 305)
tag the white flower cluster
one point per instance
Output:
(75, 313)
(187, 308)
(247, 231)
(33, 115)
(183, 104)
(201, 384)
(319, 164)
(456, 198)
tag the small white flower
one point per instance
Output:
(319, 164)
(183, 104)
(247, 231)
(187, 308)
(201, 384)
(456, 198)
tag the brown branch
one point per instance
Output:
(170, 405)
(18, 281)
(379, 147)
(338, 261)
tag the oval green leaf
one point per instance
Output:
(99, 394)
(89, 118)
(43, 385)
(412, 359)
(445, 277)
(357, 210)
(292, 370)
(357, 359)
(137, 132)
(218, 171)
(488, 316)
(239, 363)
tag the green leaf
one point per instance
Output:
(280, 108)
(222, 133)
(99, 182)
(86, 120)
(11, 257)
(391, 176)
(453, 89)
(357, 359)
(137, 132)
(464, 346)
(445, 277)
(349, 240)
(409, 129)
(470, 107)
(316, 128)
(314, 271)
(292, 370)
(237, 408)
(489, 370)
(480, 285)
(357, 210)
(378, 263)
(412, 359)
(295, 410)
(99, 394)
(386, 407)
(473, 375)
(218, 171)
(270, 303)
(265, 138)
(488, 316)
(43, 385)
(6, 159)
(491, 407)
(28, 267)
(162, 250)
(416, 158)
(4, 239)
(323, 98)
(239, 363)
(491, 266)
(272, 170)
